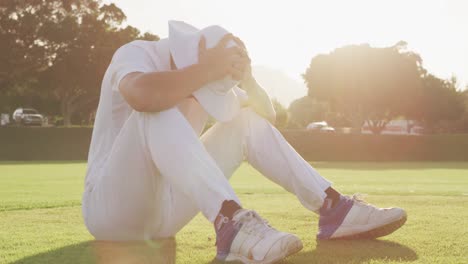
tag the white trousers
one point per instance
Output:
(160, 174)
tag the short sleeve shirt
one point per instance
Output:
(113, 111)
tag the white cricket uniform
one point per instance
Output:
(149, 174)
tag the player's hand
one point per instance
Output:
(220, 61)
(248, 81)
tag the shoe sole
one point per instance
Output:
(234, 258)
(376, 232)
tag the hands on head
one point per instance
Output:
(221, 61)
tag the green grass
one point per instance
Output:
(40, 216)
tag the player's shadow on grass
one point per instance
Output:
(100, 252)
(350, 251)
(355, 251)
(164, 252)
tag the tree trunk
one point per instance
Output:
(66, 113)
(67, 119)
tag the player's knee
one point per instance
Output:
(253, 118)
(171, 118)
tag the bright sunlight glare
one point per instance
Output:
(285, 35)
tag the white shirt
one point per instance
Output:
(113, 110)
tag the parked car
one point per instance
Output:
(28, 116)
(321, 127)
(4, 119)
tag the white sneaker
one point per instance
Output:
(249, 239)
(352, 218)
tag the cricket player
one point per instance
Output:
(150, 171)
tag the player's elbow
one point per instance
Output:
(148, 102)
(140, 105)
(141, 97)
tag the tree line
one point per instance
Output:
(55, 53)
(359, 84)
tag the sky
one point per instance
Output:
(286, 35)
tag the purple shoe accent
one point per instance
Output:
(225, 234)
(331, 219)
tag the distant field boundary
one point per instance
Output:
(357, 147)
(23, 144)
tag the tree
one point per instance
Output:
(22, 56)
(305, 110)
(64, 49)
(84, 38)
(463, 122)
(281, 114)
(366, 84)
(440, 106)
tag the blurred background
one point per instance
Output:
(370, 67)
(374, 93)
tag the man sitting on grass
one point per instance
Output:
(150, 172)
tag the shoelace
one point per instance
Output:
(252, 223)
(359, 197)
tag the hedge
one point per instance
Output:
(21, 144)
(357, 147)
(37, 143)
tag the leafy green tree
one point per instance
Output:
(23, 55)
(440, 106)
(305, 110)
(463, 122)
(84, 37)
(366, 84)
(64, 49)
(281, 114)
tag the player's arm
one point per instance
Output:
(158, 91)
(258, 99)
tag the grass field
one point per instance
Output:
(40, 216)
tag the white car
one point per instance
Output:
(28, 116)
(5, 119)
(320, 126)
